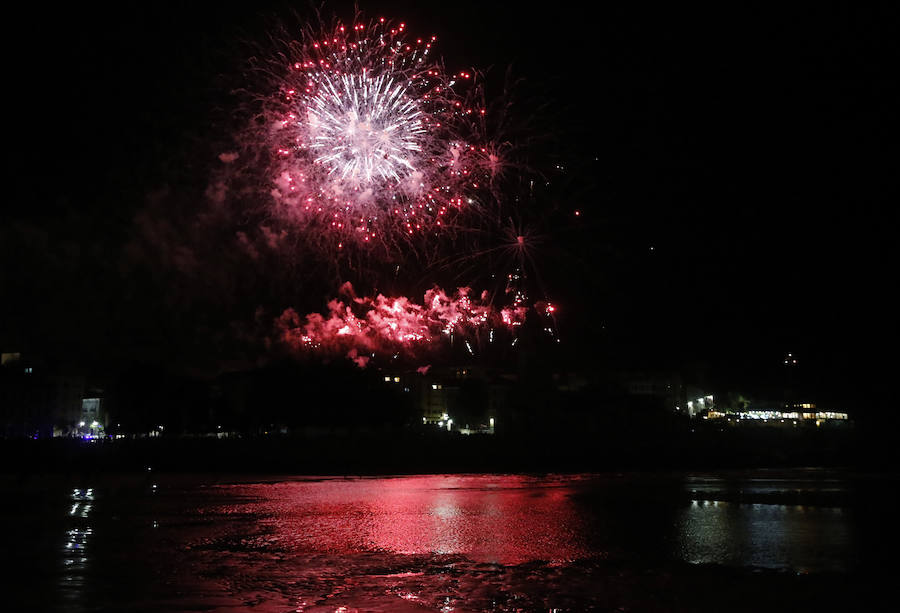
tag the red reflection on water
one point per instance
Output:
(501, 519)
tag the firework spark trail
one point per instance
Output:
(371, 144)
(371, 151)
(366, 130)
(396, 325)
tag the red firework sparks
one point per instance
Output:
(370, 141)
(363, 327)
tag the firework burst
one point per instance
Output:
(369, 142)
(362, 328)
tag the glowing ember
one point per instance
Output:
(388, 326)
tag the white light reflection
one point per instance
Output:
(76, 548)
(779, 536)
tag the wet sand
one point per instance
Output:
(441, 543)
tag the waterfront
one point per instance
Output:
(444, 542)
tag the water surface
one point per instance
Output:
(421, 543)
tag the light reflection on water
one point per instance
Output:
(437, 542)
(506, 520)
(798, 537)
(75, 555)
(517, 519)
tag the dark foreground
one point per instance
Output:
(731, 541)
(379, 451)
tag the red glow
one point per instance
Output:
(388, 325)
(490, 519)
(431, 161)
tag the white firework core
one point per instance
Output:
(370, 143)
(365, 129)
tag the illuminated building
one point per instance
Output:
(468, 399)
(787, 416)
(434, 402)
(700, 404)
(93, 420)
(35, 401)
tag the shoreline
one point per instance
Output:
(412, 451)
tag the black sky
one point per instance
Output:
(736, 168)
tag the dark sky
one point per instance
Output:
(736, 168)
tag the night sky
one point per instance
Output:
(736, 169)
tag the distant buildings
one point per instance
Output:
(721, 406)
(38, 401)
(93, 420)
(466, 399)
(795, 414)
